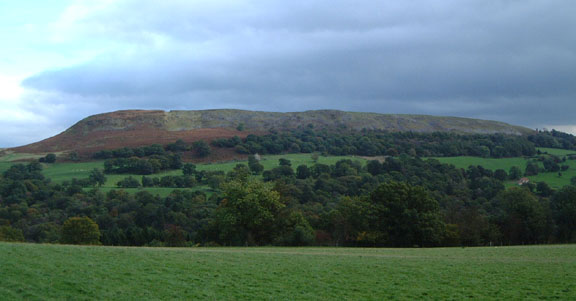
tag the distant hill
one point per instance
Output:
(144, 127)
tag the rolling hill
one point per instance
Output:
(141, 127)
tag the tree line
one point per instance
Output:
(403, 201)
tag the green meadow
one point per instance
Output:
(41, 272)
(66, 171)
(552, 178)
(59, 172)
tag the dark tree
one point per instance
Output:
(501, 175)
(254, 165)
(531, 169)
(50, 158)
(406, 215)
(189, 169)
(515, 173)
(524, 220)
(564, 209)
(201, 148)
(97, 177)
(303, 172)
(284, 162)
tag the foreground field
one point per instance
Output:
(72, 272)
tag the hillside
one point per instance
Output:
(140, 127)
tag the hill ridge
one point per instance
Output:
(142, 127)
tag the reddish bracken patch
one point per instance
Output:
(86, 144)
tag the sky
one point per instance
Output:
(507, 60)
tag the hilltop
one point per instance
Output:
(144, 127)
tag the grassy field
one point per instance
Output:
(556, 151)
(60, 172)
(73, 272)
(10, 156)
(552, 178)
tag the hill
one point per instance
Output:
(140, 127)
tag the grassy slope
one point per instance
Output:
(72, 272)
(552, 178)
(59, 172)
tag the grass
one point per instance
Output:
(59, 172)
(557, 151)
(551, 178)
(73, 272)
(11, 156)
(488, 163)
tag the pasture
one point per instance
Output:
(32, 271)
(554, 179)
(66, 171)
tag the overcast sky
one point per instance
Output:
(506, 60)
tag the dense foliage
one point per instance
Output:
(378, 143)
(150, 165)
(402, 201)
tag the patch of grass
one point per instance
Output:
(161, 191)
(60, 172)
(488, 163)
(556, 151)
(551, 178)
(5, 166)
(10, 156)
(74, 272)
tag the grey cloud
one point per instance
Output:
(507, 60)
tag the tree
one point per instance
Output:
(80, 231)
(564, 209)
(500, 174)
(515, 173)
(284, 162)
(175, 236)
(189, 169)
(97, 177)
(241, 173)
(128, 182)
(8, 233)
(303, 172)
(543, 189)
(374, 167)
(524, 220)
(531, 169)
(201, 148)
(178, 146)
(254, 165)
(50, 158)
(406, 215)
(248, 213)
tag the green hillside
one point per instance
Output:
(59, 172)
(551, 178)
(72, 272)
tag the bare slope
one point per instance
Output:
(139, 127)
